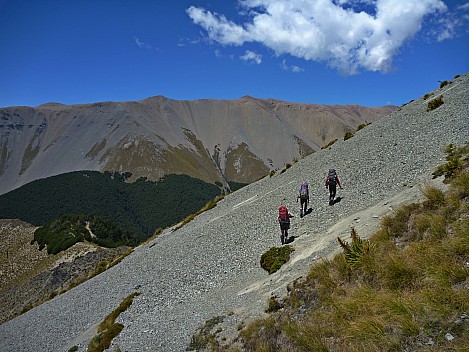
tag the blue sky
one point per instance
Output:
(366, 52)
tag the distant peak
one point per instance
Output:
(50, 104)
(156, 97)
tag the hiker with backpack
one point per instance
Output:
(332, 180)
(284, 221)
(303, 196)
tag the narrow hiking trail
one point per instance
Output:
(210, 266)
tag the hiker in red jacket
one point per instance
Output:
(332, 180)
(284, 221)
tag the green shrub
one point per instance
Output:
(426, 96)
(272, 173)
(444, 83)
(361, 126)
(275, 257)
(435, 103)
(348, 135)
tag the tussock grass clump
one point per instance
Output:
(405, 289)
(457, 158)
(205, 338)
(274, 258)
(108, 329)
(435, 103)
(354, 252)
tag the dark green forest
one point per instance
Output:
(65, 231)
(139, 207)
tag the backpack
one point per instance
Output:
(304, 190)
(332, 177)
(283, 217)
(283, 214)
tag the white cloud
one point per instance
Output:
(292, 68)
(251, 56)
(295, 68)
(141, 44)
(339, 32)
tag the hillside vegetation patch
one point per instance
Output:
(109, 329)
(274, 258)
(64, 232)
(139, 207)
(435, 103)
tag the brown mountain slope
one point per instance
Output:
(214, 140)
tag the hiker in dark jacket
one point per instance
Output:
(332, 180)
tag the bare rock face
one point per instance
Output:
(214, 140)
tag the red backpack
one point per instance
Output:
(283, 213)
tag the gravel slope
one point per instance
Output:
(211, 266)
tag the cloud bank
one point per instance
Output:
(349, 35)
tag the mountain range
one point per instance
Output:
(212, 140)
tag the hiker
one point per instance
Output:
(303, 196)
(284, 221)
(332, 180)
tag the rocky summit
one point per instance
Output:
(210, 267)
